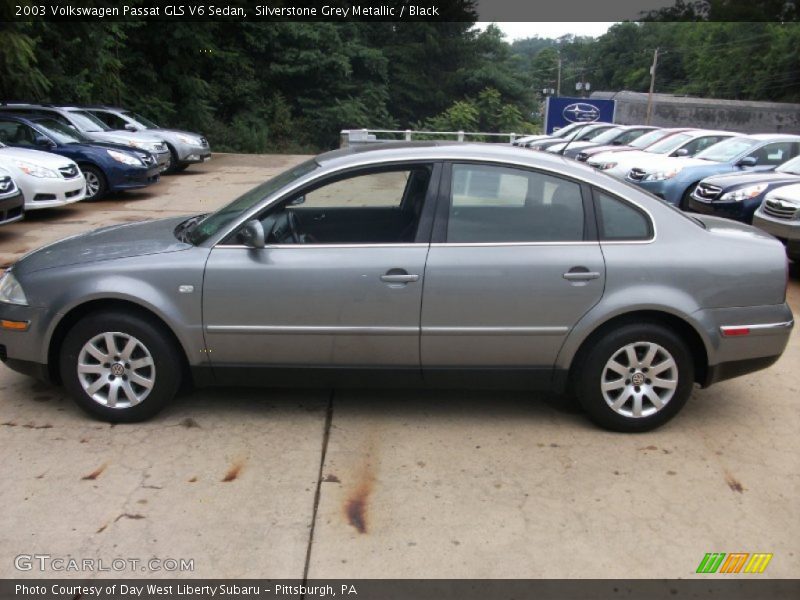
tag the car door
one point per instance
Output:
(514, 264)
(343, 290)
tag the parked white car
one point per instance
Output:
(685, 143)
(46, 180)
(779, 214)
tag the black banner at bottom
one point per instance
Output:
(391, 589)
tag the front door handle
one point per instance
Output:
(580, 274)
(398, 276)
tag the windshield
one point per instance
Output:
(609, 135)
(567, 129)
(215, 222)
(145, 122)
(650, 138)
(728, 150)
(591, 134)
(63, 134)
(87, 122)
(790, 166)
(669, 144)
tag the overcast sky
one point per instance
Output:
(519, 31)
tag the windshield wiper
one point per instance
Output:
(184, 229)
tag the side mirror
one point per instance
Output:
(131, 127)
(681, 152)
(297, 201)
(44, 141)
(747, 161)
(252, 234)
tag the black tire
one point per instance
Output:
(174, 165)
(592, 372)
(684, 203)
(97, 178)
(164, 378)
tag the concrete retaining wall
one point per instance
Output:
(732, 115)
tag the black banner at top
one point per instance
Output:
(400, 10)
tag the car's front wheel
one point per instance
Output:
(119, 367)
(96, 185)
(635, 378)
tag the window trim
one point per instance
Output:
(442, 217)
(598, 219)
(422, 237)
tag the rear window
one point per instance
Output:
(620, 221)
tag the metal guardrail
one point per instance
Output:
(349, 137)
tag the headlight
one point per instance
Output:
(11, 291)
(35, 170)
(604, 166)
(745, 193)
(149, 146)
(186, 139)
(662, 175)
(125, 159)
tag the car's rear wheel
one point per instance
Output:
(119, 367)
(636, 378)
(96, 186)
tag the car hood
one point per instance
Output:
(44, 159)
(98, 145)
(729, 180)
(125, 137)
(663, 163)
(615, 156)
(788, 192)
(106, 243)
(594, 151)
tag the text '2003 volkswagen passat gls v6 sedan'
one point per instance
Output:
(436, 264)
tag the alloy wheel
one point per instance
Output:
(116, 370)
(639, 379)
(92, 184)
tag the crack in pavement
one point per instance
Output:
(325, 437)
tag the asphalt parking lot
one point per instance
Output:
(383, 484)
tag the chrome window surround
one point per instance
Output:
(267, 202)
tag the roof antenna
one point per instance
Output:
(573, 138)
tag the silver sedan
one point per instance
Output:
(416, 264)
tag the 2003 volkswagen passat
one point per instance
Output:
(435, 264)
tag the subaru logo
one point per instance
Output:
(581, 112)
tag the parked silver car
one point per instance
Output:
(185, 147)
(436, 264)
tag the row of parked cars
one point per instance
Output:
(56, 155)
(752, 178)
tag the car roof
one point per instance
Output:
(773, 136)
(386, 152)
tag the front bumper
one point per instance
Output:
(12, 207)
(191, 154)
(23, 350)
(738, 211)
(131, 179)
(783, 229)
(49, 192)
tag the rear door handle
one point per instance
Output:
(580, 274)
(398, 276)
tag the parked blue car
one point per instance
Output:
(673, 179)
(738, 195)
(107, 167)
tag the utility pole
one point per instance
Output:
(652, 86)
(558, 86)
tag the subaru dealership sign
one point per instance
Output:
(562, 111)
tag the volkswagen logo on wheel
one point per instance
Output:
(581, 112)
